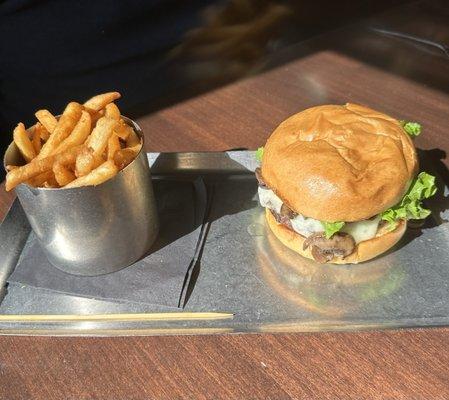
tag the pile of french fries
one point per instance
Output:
(86, 146)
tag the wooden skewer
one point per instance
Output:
(116, 332)
(167, 316)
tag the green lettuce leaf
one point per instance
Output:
(259, 154)
(412, 128)
(331, 227)
(410, 206)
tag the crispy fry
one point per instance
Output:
(66, 123)
(44, 134)
(100, 101)
(112, 111)
(136, 148)
(99, 175)
(122, 130)
(113, 146)
(62, 174)
(23, 142)
(86, 161)
(51, 184)
(133, 139)
(100, 135)
(39, 166)
(69, 156)
(95, 116)
(79, 133)
(40, 179)
(37, 144)
(47, 119)
(124, 157)
(78, 148)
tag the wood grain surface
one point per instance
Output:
(354, 64)
(393, 364)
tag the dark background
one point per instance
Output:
(154, 52)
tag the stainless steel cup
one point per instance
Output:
(93, 230)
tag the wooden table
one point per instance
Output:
(357, 65)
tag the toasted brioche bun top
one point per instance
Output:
(339, 163)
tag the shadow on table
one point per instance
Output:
(431, 161)
(202, 173)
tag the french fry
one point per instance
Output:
(62, 174)
(68, 157)
(79, 133)
(99, 175)
(86, 145)
(86, 161)
(44, 134)
(100, 101)
(98, 160)
(112, 111)
(37, 144)
(113, 146)
(47, 119)
(23, 142)
(50, 184)
(123, 130)
(39, 166)
(40, 179)
(124, 157)
(64, 127)
(133, 139)
(95, 116)
(100, 135)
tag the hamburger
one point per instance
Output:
(339, 182)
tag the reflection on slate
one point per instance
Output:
(158, 279)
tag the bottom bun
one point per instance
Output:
(364, 251)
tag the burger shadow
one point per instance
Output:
(431, 161)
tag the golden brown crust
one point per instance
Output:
(364, 251)
(339, 163)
